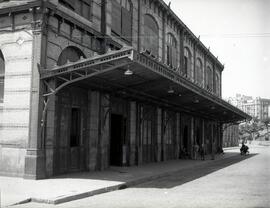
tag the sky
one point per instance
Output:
(238, 32)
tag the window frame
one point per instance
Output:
(79, 9)
(128, 9)
(209, 73)
(171, 49)
(199, 71)
(154, 48)
(187, 61)
(217, 83)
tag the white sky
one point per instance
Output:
(238, 32)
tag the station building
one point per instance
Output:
(89, 84)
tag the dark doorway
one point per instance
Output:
(118, 129)
(75, 135)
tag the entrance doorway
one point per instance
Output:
(75, 139)
(118, 132)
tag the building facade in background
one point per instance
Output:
(255, 107)
(89, 84)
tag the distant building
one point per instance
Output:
(255, 107)
(258, 107)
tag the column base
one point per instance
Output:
(34, 164)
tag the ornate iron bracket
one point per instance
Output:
(81, 70)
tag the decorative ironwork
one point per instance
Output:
(78, 71)
(86, 68)
(159, 67)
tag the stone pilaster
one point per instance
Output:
(132, 134)
(212, 142)
(104, 129)
(177, 140)
(194, 74)
(50, 137)
(203, 132)
(182, 49)
(159, 134)
(163, 136)
(139, 135)
(192, 137)
(93, 109)
(34, 159)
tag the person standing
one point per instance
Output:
(196, 151)
(202, 151)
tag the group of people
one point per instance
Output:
(244, 149)
(199, 149)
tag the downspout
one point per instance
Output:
(139, 26)
(103, 26)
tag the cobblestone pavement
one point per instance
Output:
(241, 181)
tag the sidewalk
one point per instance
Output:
(84, 184)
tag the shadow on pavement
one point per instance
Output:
(193, 173)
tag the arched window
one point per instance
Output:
(217, 81)
(71, 54)
(209, 78)
(2, 77)
(122, 19)
(151, 37)
(187, 61)
(199, 71)
(171, 50)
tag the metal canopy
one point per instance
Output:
(152, 81)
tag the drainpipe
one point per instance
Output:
(103, 25)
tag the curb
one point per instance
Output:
(121, 186)
(20, 202)
(73, 197)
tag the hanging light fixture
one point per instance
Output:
(128, 72)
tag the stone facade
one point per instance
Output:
(86, 128)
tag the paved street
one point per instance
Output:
(241, 181)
